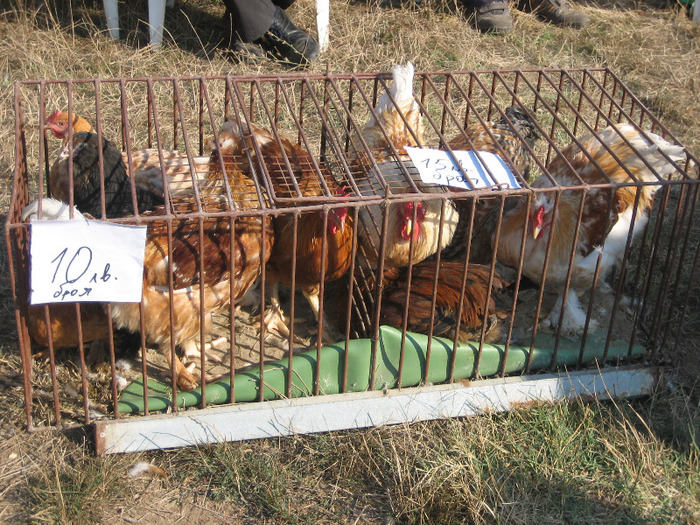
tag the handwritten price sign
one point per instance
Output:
(81, 260)
(483, 169)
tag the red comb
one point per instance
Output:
(53, 116)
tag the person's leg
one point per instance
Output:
(258, 25)
(287, 42)
(284, 4)
(249, 19)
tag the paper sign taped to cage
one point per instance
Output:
(81, 260)
(482, 169)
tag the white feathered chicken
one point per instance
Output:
(419, 221)
(609, 213)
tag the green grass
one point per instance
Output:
(74, 491)
(283, 483)
(563, 463)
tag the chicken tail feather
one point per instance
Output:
(401, 91)
(645, 154)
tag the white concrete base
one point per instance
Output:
(365, 409)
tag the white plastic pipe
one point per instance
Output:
(112, 14)
(323, 10)
(156, 18)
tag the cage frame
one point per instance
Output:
(579, 382)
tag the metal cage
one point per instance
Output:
(645, 307)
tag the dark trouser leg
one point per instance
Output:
(265, 24)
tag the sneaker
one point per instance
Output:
(558, 12)
(287, 43)
(494, 17)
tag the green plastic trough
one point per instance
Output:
(247, 383)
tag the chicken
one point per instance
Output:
(250, 248)
(475, 310)
(87, 199)
(500, 138)
(87, 188)
(143, 165)
(609, 215)
(246, 254)
(86, 177)
(62, 329)
(416, 223)
(311, 229)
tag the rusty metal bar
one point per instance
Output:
(349, 301)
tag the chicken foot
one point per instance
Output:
(185, 379)
(191, 350)
(574, 319)
(330, 333)
(274, 319)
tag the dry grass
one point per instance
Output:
(580, 463)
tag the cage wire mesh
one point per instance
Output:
(303, 165)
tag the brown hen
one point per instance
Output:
(249, 244)
(295, 180)
(62, 328)
(478, 305)
(249, 248)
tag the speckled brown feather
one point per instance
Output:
(252, 245)
(214, 246)
(484, 138)
(309, 252)
(491, 135)
(145, 166)
(475, 308)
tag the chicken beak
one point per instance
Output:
(337, 224)
(407, 228)
(48, 125)
(536, 231)
(410, 230)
